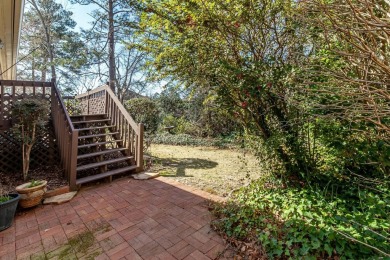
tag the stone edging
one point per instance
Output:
(55, 192)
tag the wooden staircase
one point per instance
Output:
(101, 153)
(101, 138)
(95, 136)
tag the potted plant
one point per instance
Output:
(30, 114)
(8, 204)
(31, 193)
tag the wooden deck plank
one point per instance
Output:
(105, 174)
(99, 135)
(100, 153)
(98, 143)
(95, 128)
(98, 164)
(91, 121)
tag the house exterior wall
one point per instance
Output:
(11, 12)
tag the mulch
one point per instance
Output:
(54, 176)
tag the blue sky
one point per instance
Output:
(81, 13)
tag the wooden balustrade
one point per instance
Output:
(103, 101)
(67, 136)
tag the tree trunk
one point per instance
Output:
(26, 159)
(26, 148)
(49, 46)
(33, 69)
(43, 71)
(111, 39)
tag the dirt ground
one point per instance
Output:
(53, 174)
(218, 171)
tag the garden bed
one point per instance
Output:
(53, 174)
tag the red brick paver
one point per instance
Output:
(125, 219)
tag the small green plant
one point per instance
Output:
(34, 183)
(30, 116)
(4, 197)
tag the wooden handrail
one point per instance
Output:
(26, 83)
(122, 109)
(129, 131)
(61, 101)
(67, 136)
(93, 91)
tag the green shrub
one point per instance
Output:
(31, 115)
(343, 152)
(168, 121)
(309, 222)
(184, 139)
(144, 110)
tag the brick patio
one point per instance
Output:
(125, 219)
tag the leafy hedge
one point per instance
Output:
(307, 222)
(144, 110)
(185, 139)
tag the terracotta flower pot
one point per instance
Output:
(30, 197)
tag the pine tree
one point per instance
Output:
(111, 47)
(51, 47)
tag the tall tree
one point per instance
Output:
(246, 52)
(51, 44)
(110, 29)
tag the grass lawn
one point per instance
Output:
(214, 170)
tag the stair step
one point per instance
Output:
(91, 121)
(98, 164)
(100, 153)
(91, 115)
(98, 135)
(97, 144)
(104, 175)
(95, 128)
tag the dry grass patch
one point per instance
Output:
(218, 171)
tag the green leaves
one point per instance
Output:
(306, 223)
(30, 114)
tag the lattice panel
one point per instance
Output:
(10, 94)
(44, 152)
(73, 106)
(93, 104)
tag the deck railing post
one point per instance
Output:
(88, 102)
(53, 98)
(73, 160)
(106, 103)
(140, 148)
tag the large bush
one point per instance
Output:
(196, 113)
(144, 110)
